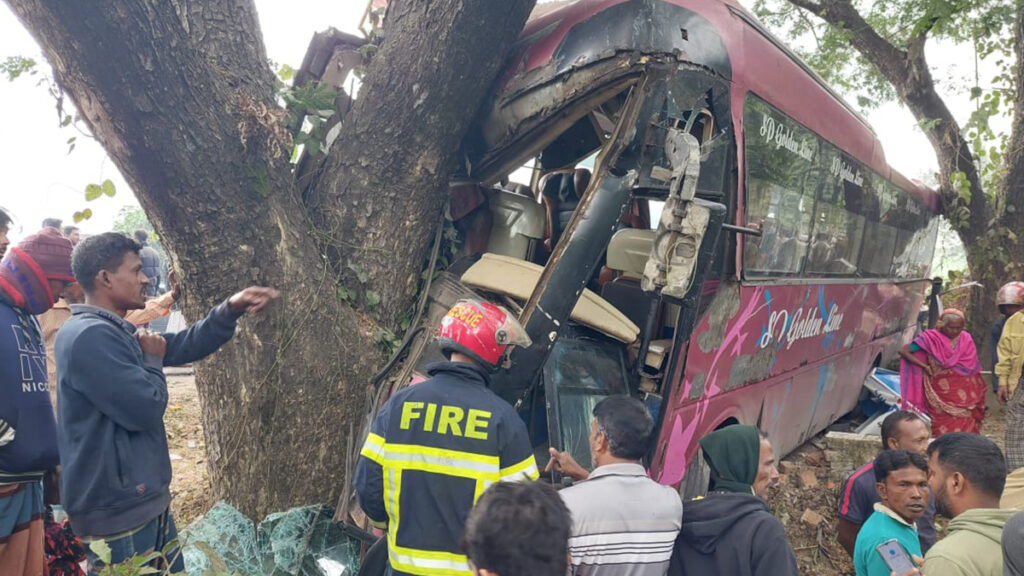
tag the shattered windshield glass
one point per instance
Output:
(581, 373)
(299, 542)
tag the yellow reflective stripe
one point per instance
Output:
(392, 489)
(445, 469)
(374, 448)
(525, 470)
(427, 562)
(441, 461)
(442, 453)
(481, 485)
(396, 458)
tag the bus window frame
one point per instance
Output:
(801, 276)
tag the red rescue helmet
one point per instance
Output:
(480, 330)
(1011, 294)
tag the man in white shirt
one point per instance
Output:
(624, 523)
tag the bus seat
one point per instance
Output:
(518, 278)
(627, 254)
(518, 219)
(468, 207)
(628, 251)
(656, 353)
(523, 190)
(561, 191)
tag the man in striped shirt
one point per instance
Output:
(624, 523)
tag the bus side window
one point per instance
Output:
(838, 222)
(780, 191)
(915, 240)
(880, 235)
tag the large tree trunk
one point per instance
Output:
(390, 176)
(180, 95)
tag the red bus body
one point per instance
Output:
(786, 354)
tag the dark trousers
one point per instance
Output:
(152, 537)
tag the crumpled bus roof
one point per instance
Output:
(568, 48)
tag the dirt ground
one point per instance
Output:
(190, 487)
(805, 499)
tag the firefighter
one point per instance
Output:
(434, 447)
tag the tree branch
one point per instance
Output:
(1013, 180)
(908, 72)
(813, 7)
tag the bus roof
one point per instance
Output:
(719, 35)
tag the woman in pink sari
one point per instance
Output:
(940, 375)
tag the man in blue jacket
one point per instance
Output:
(112, 396)
(32, 274)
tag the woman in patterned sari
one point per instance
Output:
(941, 376)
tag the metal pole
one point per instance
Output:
(933, 302)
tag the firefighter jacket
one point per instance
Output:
(432, 450)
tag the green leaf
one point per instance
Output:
(100, 547)
(15, 66)
(66, 121)
(372, 299)
(285, 72)
(83, 215)
(976, 92)
(363, 277)
(140, 559)
(108, 188)
(169, 547)
(92, 192)
(345, 294)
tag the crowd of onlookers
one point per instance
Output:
(75, 350)
(615, 520)
(448, 469)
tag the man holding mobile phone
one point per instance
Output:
(902, 482)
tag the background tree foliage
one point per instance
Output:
(874, 50)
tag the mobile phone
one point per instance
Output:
(895, 557)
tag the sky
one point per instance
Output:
(42, 179)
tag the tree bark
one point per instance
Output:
(390, 176)
(180, 95)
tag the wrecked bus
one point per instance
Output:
(678, 208)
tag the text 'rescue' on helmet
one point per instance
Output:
(481, 331)
(1011, 294)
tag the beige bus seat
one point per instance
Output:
(628, 251)
(627, 255)
(638, 216)
(517, 279)
(518, 219)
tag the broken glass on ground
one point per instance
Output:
(297, 542)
